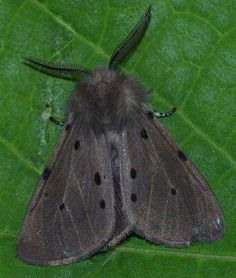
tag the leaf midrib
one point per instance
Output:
(177, 254)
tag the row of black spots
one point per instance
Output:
(133, 175)
(102, 205)
(144, 134)
(182, 156)
(133, 196)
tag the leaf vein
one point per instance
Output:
(12, 149)
(71, 29)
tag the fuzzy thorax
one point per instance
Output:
(107, 100)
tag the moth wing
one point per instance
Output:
(122, 227)
(165, 196)
(71, 214)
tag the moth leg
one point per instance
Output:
(56, 122)
(165, 114)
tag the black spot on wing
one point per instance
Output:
(144, 134)
(133, 197)
(77, 145)
(173, 191)
(182, 156)
(97, 178)
(46, 173)
(102, 204)
(67, 127)
(133, 173)
(62, 206)
(150, 115)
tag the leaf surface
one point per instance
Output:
(187, 59)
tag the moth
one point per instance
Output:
(115, 170)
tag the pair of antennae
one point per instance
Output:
(73, 72)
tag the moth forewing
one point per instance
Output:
(71, 215)
(114, 171)
(168, 199)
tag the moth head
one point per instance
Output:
(102, 76)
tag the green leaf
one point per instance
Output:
(187, 59)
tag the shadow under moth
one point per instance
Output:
(114, 171)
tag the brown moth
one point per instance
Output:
(114, 171)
